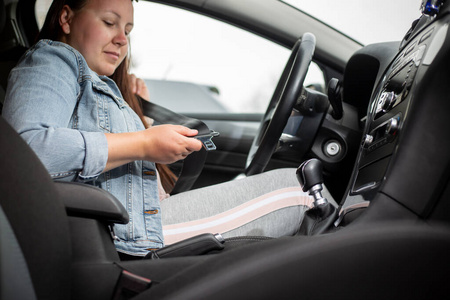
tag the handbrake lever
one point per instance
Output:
(197, 245)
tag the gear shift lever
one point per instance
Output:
(309, 175)
(321, 217)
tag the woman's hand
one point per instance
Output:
(138, 87)
(160, 144)
(169, 143)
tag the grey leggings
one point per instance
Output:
(268, 204)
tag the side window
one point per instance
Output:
(195, 64)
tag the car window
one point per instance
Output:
(195, 64)
(234, 70)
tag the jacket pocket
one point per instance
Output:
(102, 113)
(108, 104)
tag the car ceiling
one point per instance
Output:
(279, 22)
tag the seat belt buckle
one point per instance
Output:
(206, 140)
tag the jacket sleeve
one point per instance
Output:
(41, 97)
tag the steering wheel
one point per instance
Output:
(286, 93)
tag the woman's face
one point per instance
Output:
(99, 31)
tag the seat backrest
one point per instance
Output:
(36, 215)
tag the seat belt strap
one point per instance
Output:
(193, 164)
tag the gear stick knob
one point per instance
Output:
(309, 175)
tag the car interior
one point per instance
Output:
(378, 139)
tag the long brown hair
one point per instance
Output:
(52, 30)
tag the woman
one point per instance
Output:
(63, 103)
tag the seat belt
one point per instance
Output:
(193, 163)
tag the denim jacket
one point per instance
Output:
(62, 109)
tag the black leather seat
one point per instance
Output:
(39, 222)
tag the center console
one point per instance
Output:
(387, 113)
(394, 108)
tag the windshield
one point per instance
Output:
(365, 21)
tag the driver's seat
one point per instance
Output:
(33, 211)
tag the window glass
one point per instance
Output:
(172, 44)
(239, 69)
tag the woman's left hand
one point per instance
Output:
(138, 87)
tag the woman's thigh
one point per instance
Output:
(268, 204)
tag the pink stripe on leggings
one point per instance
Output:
(239, 215)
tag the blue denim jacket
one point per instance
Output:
(62, 109)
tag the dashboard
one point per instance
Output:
(402, 154)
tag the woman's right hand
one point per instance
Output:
(169, 143)
(163, 144)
